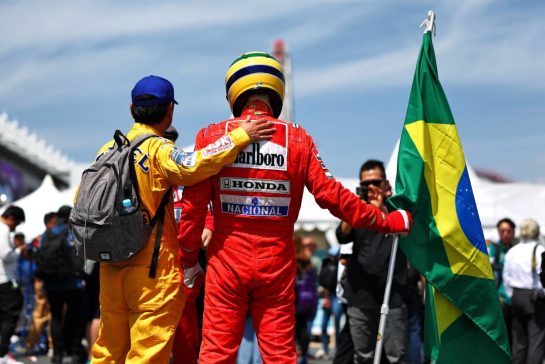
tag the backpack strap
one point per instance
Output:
(534, 270)
(158, 219)
(120, 138)
(135, 143)
(160, 214)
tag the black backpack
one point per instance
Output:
(56, 258)
(328, 274)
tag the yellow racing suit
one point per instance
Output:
(139, 315)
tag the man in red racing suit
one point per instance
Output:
(187, 338)
(251, 258)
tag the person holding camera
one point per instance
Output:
(521, 279)
(366, 273)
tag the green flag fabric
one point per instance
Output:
(464, 322)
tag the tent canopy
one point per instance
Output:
(44, 199)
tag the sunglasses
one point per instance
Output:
(374, 182)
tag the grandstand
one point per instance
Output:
(25, 159)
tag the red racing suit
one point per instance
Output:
(187, 338)
(251, 258)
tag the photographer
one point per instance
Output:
(366, 273)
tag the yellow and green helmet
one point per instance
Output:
(254, 71)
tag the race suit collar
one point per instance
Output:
(139, 128)
(257, 107)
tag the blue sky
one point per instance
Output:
(68, 68)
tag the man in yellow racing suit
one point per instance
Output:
(139, 314)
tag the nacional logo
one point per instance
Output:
(254, 185)
(271, 154)
(255, 206)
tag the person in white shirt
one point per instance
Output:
(11, 298)
(521, 280)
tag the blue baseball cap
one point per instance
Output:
(156, 86)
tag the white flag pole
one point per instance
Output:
(429, 26)
(429, 23)
(385, 303)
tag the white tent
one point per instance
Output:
(44, 199)
(495, 201)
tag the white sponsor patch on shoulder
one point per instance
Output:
(254, 185)
(221, 145)
(255, 206)
(186, 159)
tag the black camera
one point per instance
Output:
(363, 192)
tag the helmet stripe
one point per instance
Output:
(253, 54)
(251, 70)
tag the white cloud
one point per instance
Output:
(49, 50)
(39, 25)
(476, 45)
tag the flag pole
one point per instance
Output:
(385, 308)
(429, 26)
(429, 23)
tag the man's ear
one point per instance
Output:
(131, 107)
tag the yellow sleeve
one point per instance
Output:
(188, 168)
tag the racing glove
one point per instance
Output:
(192, 275)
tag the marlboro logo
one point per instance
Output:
(270, 155)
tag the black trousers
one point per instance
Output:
(302, 336)
(11, 302)
(344, 354)
(528, 328)
(364, 327)
(67, 320)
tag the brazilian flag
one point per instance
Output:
(464, 322)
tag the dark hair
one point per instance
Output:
(63, 214)
(372, 164)
(152, 114)
(171, 133)
(15, 212)
(49, 216)
(507, 221)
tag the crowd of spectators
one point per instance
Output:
(43, 312)
(47, 305)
